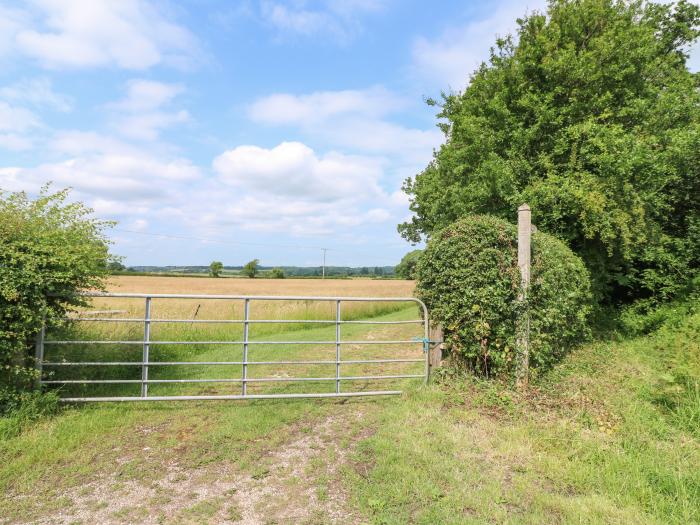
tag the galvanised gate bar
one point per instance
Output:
(43, 344)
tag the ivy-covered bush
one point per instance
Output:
(50, 250)
(468, 277)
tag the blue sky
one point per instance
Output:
(236, 130)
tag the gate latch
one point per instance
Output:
(426, 343)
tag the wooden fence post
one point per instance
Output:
(523, 315)
(435, 357)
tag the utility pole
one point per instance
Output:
(323, 275)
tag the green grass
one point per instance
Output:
(137, 441)
(610, 435)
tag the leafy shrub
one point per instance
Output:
(469, 279)
(647, 316)
(277, 273)
(50, 250)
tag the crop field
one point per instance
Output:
(226, 286)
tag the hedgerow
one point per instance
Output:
(50, 250)
(469, 279)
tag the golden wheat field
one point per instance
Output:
(227, 309)
(229, 286)
(192, 321)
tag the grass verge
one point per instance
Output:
(609, 436)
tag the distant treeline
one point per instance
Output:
(289, 271)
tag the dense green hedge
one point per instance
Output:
(50, 250)
(469, 279)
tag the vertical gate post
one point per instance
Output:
(246, 329)
(523, 315)
(337, 347)
(146, 347)
(436, 337)
(39, 352)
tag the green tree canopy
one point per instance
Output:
(215, 268)
(406, 269)
(592, 118)
(251, 268)
(50, 250)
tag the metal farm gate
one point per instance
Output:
(57, 357)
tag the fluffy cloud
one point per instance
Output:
(287, 188)
(337, 18)
(146, 95)
(449, 59)
(129, 34)
(350, 119)
(16, 119)
(141, 114)
(284, 108)
(103, 170)
(15, 123)
(38, 92)
(294, 217)
(293, 189)
(293, 170)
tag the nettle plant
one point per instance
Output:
(468, 277)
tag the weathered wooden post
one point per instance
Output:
(436, 337)
(523, 315)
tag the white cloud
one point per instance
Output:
(12, 20)
(140, 115)
(38, 92)
(15, 124)
(106, 173)
(291, 188)
(16, 119)
(293, 217)
(355, 120)
(146, 95)
(293, 170)
(382, 137)
(130, 34)
(449, 59)
(148, 126)
(284, 108)
(337, 18)
(114, 176)
(77, 143)
(14, 142)
(288, 188)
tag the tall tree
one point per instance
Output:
(215, 268)
(406, 269)
(591, 117)
(251, 268)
